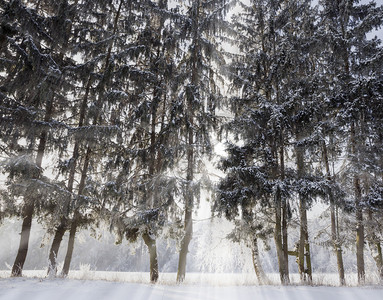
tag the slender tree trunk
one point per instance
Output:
(190, 158)
(151, 244)
(261, 276)
(308, 256)
(379, 259)
(285, 245)
(69, 253)
(188, 208)
(151, 241)
(188, 212)
(303, 246)
(74, 224)
(375, 247)
(359, 234)
(27, 212)
(359, 213)
(185, 245)
(61, 229)
(76, 216)
(279, 240)
(336, 242)
(376, 253)
(53, 252)
(334, 232)
(280, 216)
(285, 242)
(24, 240)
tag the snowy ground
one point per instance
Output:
(41, 288)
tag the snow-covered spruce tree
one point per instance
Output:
(335, 195)
(276, 113)
(300, 88)
(356, 78)
(84, 45)
(99, 133)
(133, 70)
(141, 194)
(244, 195)
(32, 87)
(257, 169)
(77, 94)
(198, 95)
(328, 141)
(373, 163)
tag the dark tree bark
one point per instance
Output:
(334, 232)
(358, 212)
(185, 246)
(53, 252)
(27, 212)
(101, 87)
(285, 277)
(279, 237)
(69, 253)
(189, 201)
(303, 246)
(24, 240)
(375, 246)
(188, 225)
(76, 216)
(378, 257)
(61, 229)
(151, 244)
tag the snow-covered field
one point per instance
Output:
(86, 285)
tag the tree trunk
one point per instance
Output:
(375, 246)
(189, 203)
(27, 212)
(358, 212)
(69, 253)
(334, 232)
(151, 244)
(308, 270)
(185, 245)
(278, 238)
(285, 246)
(359, 238)
(24, 240)
(74, 224)
(339, 258)
(285, 243)
(61, 229)
(188, 210)
(150, 241)
(261, 276)
(59, 233)
(76, 216)
(303, 246)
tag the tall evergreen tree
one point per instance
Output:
(145, 196)
(194, 108)
(276, 109)
(260, 122)
(353, 63)
(36, 49)
(96, 117)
